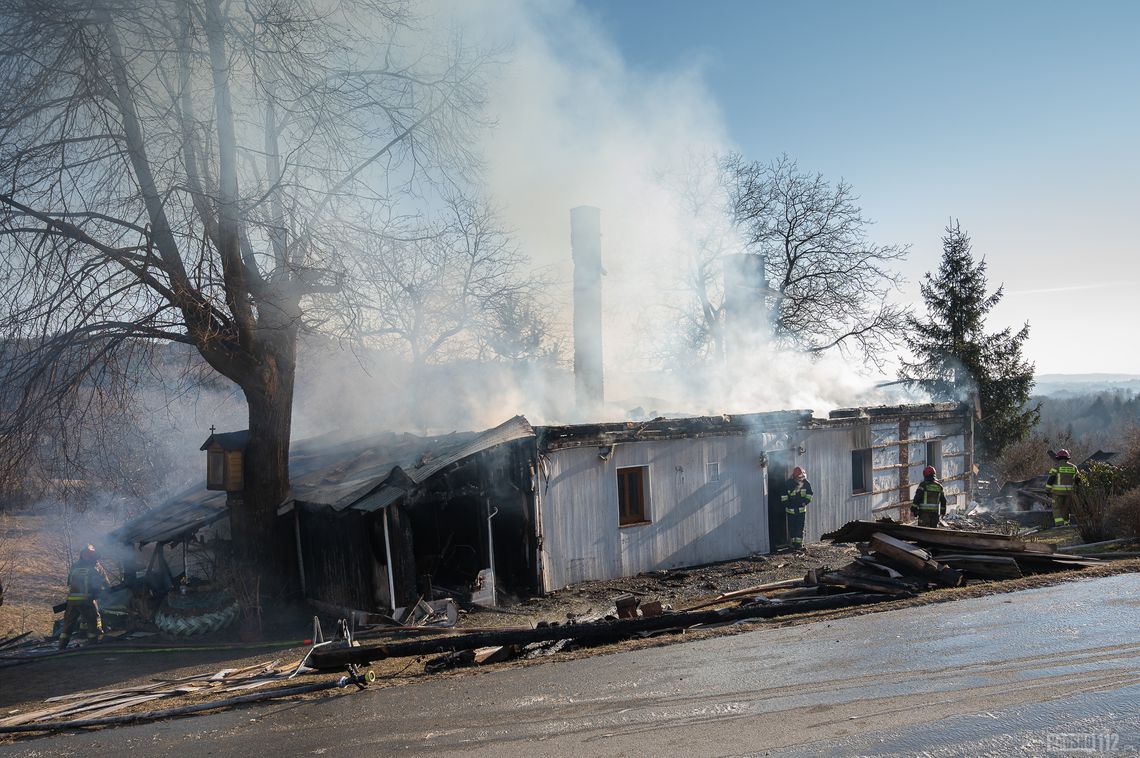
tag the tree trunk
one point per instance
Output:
(262, 541)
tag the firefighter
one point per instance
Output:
(795, 501)
(1062, 482)
(84, 583)
(929, 499)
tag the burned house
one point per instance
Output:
(381, 521)
(620, 499)
(400, 516)
(378, 521)
(866, 462)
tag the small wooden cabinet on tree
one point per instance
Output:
(225, 458)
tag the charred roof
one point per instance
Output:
(584, 435)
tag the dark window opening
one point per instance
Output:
(934, 455)
(860, 471)
(631, 495)
(215, 469)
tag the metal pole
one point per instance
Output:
(491, 547)
(388, 558)
(297, 536)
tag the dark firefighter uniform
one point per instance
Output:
(795, 502)
(929, 502)
(84, 583)
(1061, 485)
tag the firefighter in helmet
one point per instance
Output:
(84, 583)
(1061, 484)
(929, 499)
(795, 499)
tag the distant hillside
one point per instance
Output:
(1085, 384)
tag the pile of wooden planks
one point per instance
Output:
(918, 556)
(84, 706)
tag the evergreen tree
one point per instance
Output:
(955, 356)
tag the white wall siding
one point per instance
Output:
(829, 467)
(885, 462)
(828, 461)
(691, 520)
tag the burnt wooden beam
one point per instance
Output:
(916, 558)
(877, 566)
(984, 566)
(598, 632)
(864, 583)
(860, 531)
(736, 594)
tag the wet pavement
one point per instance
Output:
(1040, 672)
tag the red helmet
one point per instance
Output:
(798, 473)
(1063, 453)
(930, 471)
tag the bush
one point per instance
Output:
(1124, 514)
(1029, 457)
(1099, 486)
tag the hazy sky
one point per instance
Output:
(1020, 119)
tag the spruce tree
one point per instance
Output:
(954, 356)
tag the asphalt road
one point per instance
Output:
(1041, 672)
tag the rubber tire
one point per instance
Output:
(195, 613)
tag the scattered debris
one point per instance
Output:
(949, 556)
(592, 633)
(96, 707)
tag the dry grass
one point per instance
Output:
(35, 554)
(34, 581)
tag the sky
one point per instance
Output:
(1017, 119)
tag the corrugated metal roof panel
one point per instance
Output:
(380, 499)
(175, 518)
(395, 457)
(333, 474)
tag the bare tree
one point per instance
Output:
(185, 170)
(456, 289)
(829, 284)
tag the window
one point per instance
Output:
(934, 455)
(712, 472)
(215, 469)
(860, 471)
(631, 495)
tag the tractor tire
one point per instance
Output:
(195, 613)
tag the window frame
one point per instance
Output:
(863, 456)
(215, 469)
(712, 472)
(628, 515)
(934, 454)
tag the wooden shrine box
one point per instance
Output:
(225, 457)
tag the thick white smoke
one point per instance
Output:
(571, 123)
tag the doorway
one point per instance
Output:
(779, 469)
